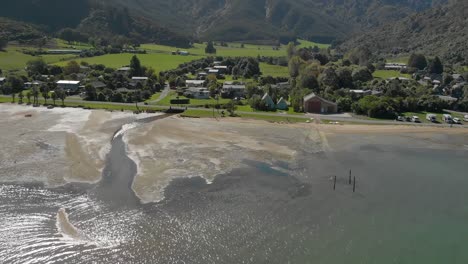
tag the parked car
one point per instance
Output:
(407, 118)
(447, 118)
(465, 118)
(415, 119)
(431, 117)
(456, 120)
(400, 118)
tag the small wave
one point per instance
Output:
(124, 129)
(66, 228)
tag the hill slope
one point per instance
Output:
(230, 20)
(439, 31)
(321, 20)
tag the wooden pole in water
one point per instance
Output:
(349, 182)
(334, 183)
(354, 184)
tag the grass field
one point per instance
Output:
(158, 61)
(274, 70)
(384, 74)
(14, 59)
(401, 59)
(306, 44)
(193, 102)
(159, 56)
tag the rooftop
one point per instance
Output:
(67, 82)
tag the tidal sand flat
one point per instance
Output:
(182, 148)
(55, 146)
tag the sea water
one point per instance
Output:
(410, 206)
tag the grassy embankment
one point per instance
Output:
(385, 74)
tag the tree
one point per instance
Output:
(71, 67)
(329, 78)
(35, 93)
(362, 74)
(28, 96)
(210, 49)
(360, 55)
(61, 94)
(435, 66)
(135, 67)
(20, 96)
(45, 93)
(290, 50)
(53, 95)
(90, 93)
(294, 66)
(3, 43)
(417, 61)
(231, 107)
(37, 66)
(13, 97)
(15, 84)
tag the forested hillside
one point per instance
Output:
(234, 20)
(440, 31)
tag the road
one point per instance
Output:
(163, 94)
(334, 118)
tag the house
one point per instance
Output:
(213, 71)
(124, 70)
(458, 78)
(361, 92)
(29, 85)
(268, 102)
(98, 85)
(282, 104)
(183, 53)
(194, 83)
(448, 99)
(316, 104)
(221, 69)
(2, 80)
(281, 86)
(197, 93)
(64, 51)
(202, 75)
(395, 66)
(231, 90)
(69, 86)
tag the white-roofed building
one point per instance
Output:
(194, 83)
(68, 85)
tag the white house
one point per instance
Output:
(233, 90)
(194, 83)
(67, 85)
(395, 66)
(2, 80)
(197, 93)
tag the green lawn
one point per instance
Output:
(14, 59)
(193, 102)
(306, 44)
(154, 97)
(62, 44)
(158, 61)
(274, 70)
(384, 74)
(401, 59)
(209, 114)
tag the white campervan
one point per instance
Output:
(447, 118)
(431, 117)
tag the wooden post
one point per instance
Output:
(334, 184)
(349, 182)
(354, 184)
